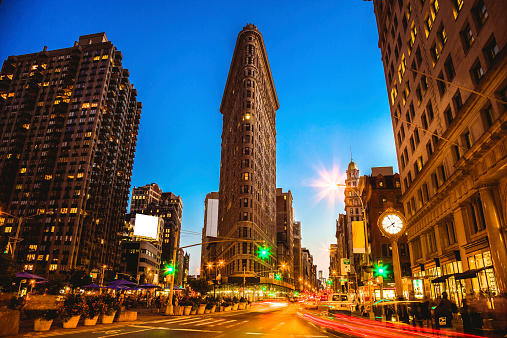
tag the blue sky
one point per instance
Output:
(326, 67)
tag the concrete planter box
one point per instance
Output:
(41, 324)
(227, 308)
(9, 322)
(127, 316)
(242, 306)
(235, 306)
(201, 309)
(91, 321)
(213, 309)
(108, 319)
(206, 311)
(72, 322)
(187, 310)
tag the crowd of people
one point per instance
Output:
(476, 313)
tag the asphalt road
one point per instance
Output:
(262, 320)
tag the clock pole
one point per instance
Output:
(397, 268)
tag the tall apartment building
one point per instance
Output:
(296, 253)
(450, 141)
(68, 122)
(209, 236)
(285, 235)
(150, 200)
(247, 201)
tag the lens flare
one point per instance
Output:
(326, 184)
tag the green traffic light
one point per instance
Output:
(263, 288)
(381, 270)
(277, 277)
(169, 269)
(329, 281)
(263, 252)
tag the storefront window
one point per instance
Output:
(485, 280)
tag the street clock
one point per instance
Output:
(392, 223)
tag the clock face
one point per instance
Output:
(392, 224)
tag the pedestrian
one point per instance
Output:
(158, 303)
(425, 311)
(465, 317)
(443, 313)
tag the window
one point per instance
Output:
(449, 231)
(424, 121)
(418, 56)
(425, 192)
(487, 115)
(442, 173)
(428, 24)
(435, 53)
(480, 13)
(458, 102)
(467, 139)
(412, 144)
(434, 7)
(491, 50)
(429, 148)
(245, 176)
(420, 164)
(434, 180)
(429, 110)
(467, 37)
(456, 7)
(418, 93)
(477, 71)
(442, 36)
(449, 69)
(442, 86)
(448, 116)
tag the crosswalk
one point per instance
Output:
(199, 323)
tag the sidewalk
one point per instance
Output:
(143, 315)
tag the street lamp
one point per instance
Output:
(366, 246)
(11, 244)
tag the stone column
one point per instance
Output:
(411, 251)
(397, 268)
(496, 237)
(460, 215)
(438, 238)
(424, 247)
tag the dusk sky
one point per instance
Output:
(327, 71)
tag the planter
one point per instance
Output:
(235, 306)
(207, 311)
(242, 306)
(72, 322)
(227, 308)
(213, 308)
(108, 319)
(41, 324)
(127, 316)
(221, 309)
(201, 309)
(91, 321)
(193, 312)
(187, 309)
(178, 310)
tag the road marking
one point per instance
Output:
(280, 324)
(254, 333)
(170, 320)
(171, 329)
(243, 322)
(221, 320)
(195, 321)
(209, 321)
(212, 322)
(119, 334)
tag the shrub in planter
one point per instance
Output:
(91, 310)
(110, 305)
(70, 310)
(43, 319)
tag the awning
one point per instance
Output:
(470, 273)
(441, 279)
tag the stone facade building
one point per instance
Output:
(446, 73)
(247, 201)
(285, 235)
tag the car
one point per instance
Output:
(337, 302)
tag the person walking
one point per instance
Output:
(443, 313)
(425, 311)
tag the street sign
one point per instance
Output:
(344, 280)
(345, 265)
(271, 275)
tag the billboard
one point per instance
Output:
(146, 226)
(212, 218)
(358, 237)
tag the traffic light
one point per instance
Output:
(329, 281)
(263, 288)
(278, 277)
(381, 270)
(169, 269)
(263, 252)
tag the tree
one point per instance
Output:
(79, 278)
(199, 285)
(7, 271)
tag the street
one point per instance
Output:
(261, 320)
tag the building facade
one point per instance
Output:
(209, 237)
(382, 190)
(285, 235)
(296, 253)
(247, 201)
(150, 200)
(353, 212)
(451, 142)
(69, 120)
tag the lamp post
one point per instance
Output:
(366, 246)
(11, 244)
